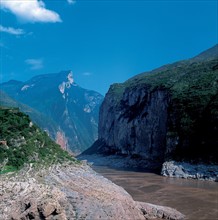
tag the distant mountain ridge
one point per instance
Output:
(73, 110)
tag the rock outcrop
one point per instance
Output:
(61, 140)
(71, 192)
(190, 171)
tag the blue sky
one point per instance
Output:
(102, 42)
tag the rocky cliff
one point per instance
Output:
(169, 113)
(138, 126)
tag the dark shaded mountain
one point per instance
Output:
(170, 113)
(74, 109)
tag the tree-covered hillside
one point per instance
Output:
(23, 142)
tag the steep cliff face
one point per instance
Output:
(138, 126)
(169, 113)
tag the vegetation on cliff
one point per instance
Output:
(192, 87)
(23, 142)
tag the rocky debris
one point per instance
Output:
(190, 171)
(162, 212)
(71, 192)
(61, 140)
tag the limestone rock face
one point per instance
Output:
(138, 127)
(72, 192)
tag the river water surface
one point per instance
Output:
(196, 199)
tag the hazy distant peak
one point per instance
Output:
(14, 82)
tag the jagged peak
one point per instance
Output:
(70, 77)
(66, 84)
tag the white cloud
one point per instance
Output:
(71, 2)
(35, 64)
(87, 74)
(30, 10)
(11, 30)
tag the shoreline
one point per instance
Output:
(72, 192)
(171, 169)
(190, 171)
(177, 193)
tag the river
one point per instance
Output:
(195, 198)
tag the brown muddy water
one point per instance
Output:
(196, 199)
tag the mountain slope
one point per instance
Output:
(72, 108)
(21, 142)
(169, 113)
(37, 117)
(209, 54)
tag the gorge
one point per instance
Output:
(162, 120)
(168, 114)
